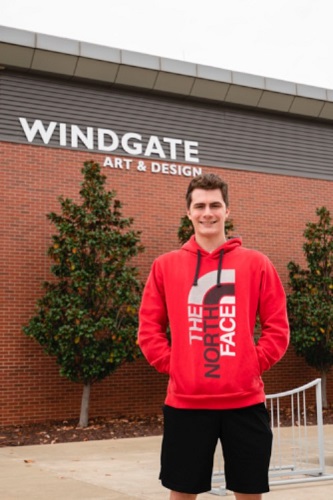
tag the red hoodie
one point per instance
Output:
(210, 302)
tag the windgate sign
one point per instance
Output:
(154, 148)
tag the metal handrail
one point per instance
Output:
(298, 468)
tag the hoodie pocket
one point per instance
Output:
(244, 369)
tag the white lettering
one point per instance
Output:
(108, 162)
(195, 319)
(225, 350)
(173, 143)
(127, 163)
(87, 139)
(228, 338)
(229, 327)
(174, 169)
(191, 149)
(108, 140)
(154, 146)
(196, 171)
(63, 134)
(117, 163)
(101, 134)
(227, 324)
(227, 311)
(38, 126)
(136, 148)
(155, 167)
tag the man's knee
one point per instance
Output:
(246, 496)
(177, 495)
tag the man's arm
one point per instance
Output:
(153, 322)
(274, 339)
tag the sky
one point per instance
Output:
(284, 39)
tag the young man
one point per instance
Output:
(209, 293)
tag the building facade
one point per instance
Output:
(152, 124)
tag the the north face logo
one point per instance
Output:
(212, 318)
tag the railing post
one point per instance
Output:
(319, 404)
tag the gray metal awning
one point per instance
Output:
(71, 59)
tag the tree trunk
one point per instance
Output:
(84, 415)
(324, 389)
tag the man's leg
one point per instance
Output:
(176, 495)
(247, 440)
(187, 453)
(246, 496)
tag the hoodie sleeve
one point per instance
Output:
(153, 322)
(274, 339)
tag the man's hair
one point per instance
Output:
(207, 182)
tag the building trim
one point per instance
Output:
(70, 59)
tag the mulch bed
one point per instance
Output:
(67, 431)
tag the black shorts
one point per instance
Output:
(189, 442)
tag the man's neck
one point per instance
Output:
(210, 244)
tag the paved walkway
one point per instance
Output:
(124, 469)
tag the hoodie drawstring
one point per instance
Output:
(219, 269)
(197, 269)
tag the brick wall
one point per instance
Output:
(268, 211)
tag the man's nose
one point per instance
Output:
(207, 210)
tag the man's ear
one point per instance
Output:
(227, 213)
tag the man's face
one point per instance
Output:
(208, 213)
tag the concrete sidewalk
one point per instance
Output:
(124, 469)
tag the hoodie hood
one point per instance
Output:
(192, 246)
